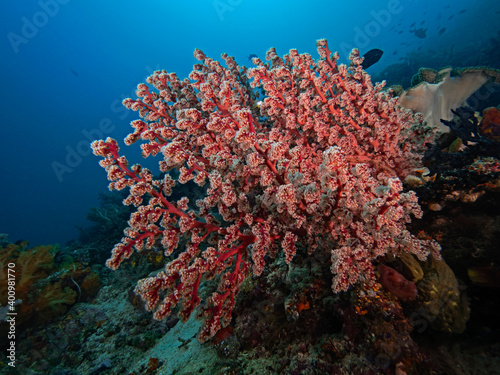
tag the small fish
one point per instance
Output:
(441, 32)
(462, 11)
(257, 105)
(251, 56)
(420, 33)
(371, 57)
(484, 276)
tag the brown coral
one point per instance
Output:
(30, 266)
(42, 288)
(490, 124)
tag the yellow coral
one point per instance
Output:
(29, 266)
(32, 265)
(44, 292)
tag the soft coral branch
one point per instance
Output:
(298, 153)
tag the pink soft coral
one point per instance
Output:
(298, 153)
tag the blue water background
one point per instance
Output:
(67, 64)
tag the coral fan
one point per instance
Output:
(300, 154)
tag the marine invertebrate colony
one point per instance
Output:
(300, 154)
